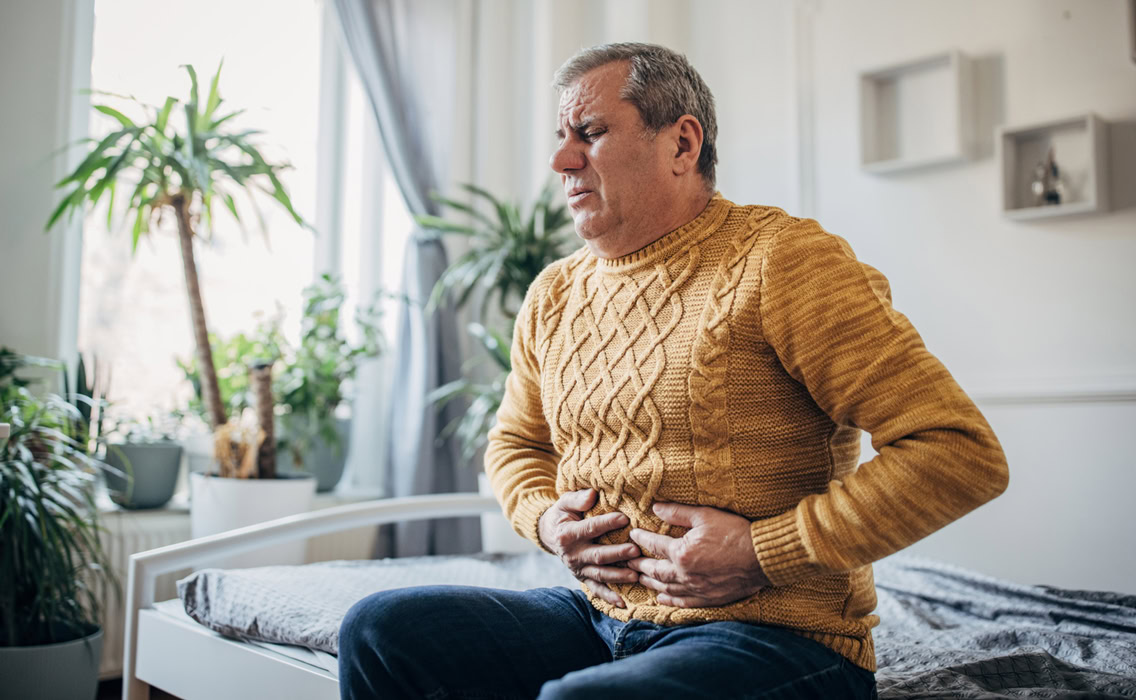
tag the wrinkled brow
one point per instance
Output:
(582, 126)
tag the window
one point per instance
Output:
(133, 313)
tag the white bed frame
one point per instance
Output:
(191, 661)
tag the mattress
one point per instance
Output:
(944, 631)
(312, 657)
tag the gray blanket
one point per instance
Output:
(944, 632)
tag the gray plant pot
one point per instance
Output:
(321, 461)
(64, 671)
(150, 471)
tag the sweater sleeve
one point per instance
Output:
(830, 320)
(520, 460)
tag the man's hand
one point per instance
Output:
(713, 564)
(564, 530)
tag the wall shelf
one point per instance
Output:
(917, 114)
(1080, 147)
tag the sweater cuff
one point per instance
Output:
(780, 549)
(526, 517)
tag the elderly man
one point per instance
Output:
(682, 428)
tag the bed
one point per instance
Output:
(272, 631)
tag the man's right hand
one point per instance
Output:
(564, 530)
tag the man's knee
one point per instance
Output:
(372, 622)
(578, 685)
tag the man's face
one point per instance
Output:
(613, 172)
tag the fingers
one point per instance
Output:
(602, 554)
(656, 585)
(591, 528)
(677, 513)
(658, 569)
(654, 543)
(603, 592)
(578, 501)
(609, 574)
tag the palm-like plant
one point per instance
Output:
(180, 170)
(505, 256)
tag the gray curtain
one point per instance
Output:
(404, 53)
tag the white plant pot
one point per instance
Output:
(199, 453)
(218, 504)
(497, 535)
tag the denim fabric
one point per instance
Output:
(467, 642)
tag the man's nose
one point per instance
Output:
(567, 157)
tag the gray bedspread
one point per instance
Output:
(945, 632)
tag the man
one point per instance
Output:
(681, 427)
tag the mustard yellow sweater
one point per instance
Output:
(732, 363)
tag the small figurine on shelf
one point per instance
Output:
(1047, 186)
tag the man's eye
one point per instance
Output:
(593, 135)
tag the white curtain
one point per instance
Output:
(404, 53)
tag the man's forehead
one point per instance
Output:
(593, 90)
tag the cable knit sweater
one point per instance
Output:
(732, 363)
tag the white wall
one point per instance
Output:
(1035, 320)
(43, 61)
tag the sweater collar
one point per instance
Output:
(691, 233)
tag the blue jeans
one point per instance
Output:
(466, 642)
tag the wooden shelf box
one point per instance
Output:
(1080, 149)
(918, 114)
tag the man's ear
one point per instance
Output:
(688, 144)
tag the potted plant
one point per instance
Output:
(179, 167)
(315, 383)
(179, 172)
(52, 564)
(312, 385)
(506, 254)
(147, 457)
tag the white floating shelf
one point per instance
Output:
(917, 114)
(1080, 149)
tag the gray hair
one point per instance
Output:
(661, 84)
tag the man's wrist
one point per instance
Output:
(527, 516)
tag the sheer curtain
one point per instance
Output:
(404, 53)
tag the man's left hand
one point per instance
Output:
(713, 564)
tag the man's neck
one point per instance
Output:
(677, 218)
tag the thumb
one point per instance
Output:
(579, 501)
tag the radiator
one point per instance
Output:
(129, 532)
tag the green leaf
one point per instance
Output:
(435, 223)
(122, 118)
(213, 101)
(231, 205)
(90, 163)
(136, 233)
(222, 120)
(71, 201)
(110, 204)
(193, 81)
(164, 114)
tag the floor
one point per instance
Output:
(112, 690)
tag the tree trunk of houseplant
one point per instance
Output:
(210, 389)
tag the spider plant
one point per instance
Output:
(506, 254)
(180, 171)
(52, 558)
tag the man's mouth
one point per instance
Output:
(577, 195)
